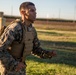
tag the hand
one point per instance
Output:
(52, 54)
(20, 66)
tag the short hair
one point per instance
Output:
(25, 5)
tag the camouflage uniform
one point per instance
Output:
(8, 63)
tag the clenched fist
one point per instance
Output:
(20, 66)
(51, 54)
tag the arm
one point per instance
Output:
(5, 40)
(37, 50)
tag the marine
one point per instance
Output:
(19, 40)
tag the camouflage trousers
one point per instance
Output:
(3, 71)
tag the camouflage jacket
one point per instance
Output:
(13, 32)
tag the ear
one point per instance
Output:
(22, 12)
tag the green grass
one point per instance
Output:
(58, 39)
(64, 43)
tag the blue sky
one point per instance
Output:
(65, 9)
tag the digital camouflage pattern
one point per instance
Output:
(13, 32)
(7, 62)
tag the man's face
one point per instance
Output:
(30, 13)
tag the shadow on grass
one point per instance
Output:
(59, 44)
(64, 56)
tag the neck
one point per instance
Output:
(26, 22)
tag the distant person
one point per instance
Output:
(20, 40)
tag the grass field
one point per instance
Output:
(64, 43)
